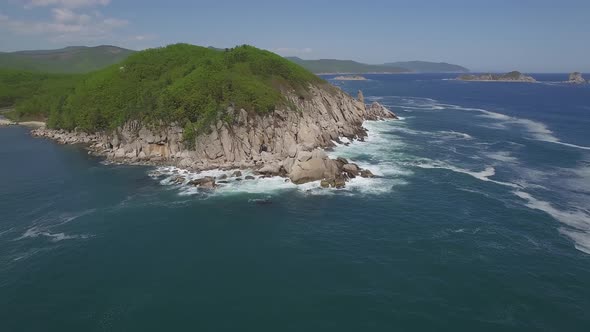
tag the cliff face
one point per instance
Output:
(284, 142)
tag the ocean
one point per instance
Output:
(479, 221)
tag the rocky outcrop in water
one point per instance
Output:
(576, 78)
(285, 142)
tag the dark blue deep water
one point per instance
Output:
(480, 222)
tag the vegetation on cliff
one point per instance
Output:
(181, 83)
(33, 94)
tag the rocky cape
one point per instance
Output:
(288, 143)
(513, 76)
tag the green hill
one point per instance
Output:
(74, 59)
(181, 83)
(326, 66)
(428, 67)
(34, 93)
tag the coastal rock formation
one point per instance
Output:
(513, 76)
(285, 142)
(576, 78)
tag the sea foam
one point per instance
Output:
(576, 220)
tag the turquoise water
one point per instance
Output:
(480, 221)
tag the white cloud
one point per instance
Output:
(64, 15)
(66, 26)
(65, 3)
(143, 37)
(292, 51)
(69, 22)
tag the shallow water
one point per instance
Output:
(480, 220)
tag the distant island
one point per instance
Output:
(334, 66)
(350, 78)
(576, 78)
(513, 76)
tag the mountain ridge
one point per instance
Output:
(71, 59)
(336, 66)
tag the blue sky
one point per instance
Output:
(500, 35)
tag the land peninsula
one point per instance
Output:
(513, 76)
(199, 109)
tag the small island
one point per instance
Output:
(513, 76)
(576, 78)
(350, 78)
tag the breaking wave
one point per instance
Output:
(35, 232)
(577, 221)
(483, 175)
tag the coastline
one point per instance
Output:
(30, 124)
(285, 143)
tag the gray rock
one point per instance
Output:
(207, 182)
(365, 173)
(576, 78)
(352, 169)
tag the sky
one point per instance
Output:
(499, 35)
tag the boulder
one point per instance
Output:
(270, 169)
(576, 78)
(303, 156)
(236, 174)
(222, 177)
(178, 179)
(249, 177)
(313, 169)
(341, 161)
(207, 182)
(352, 169)
(120, 153)
(186, 162)
(365, 173)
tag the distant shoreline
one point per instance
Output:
(499, 81)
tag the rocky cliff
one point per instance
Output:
(284, 142)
